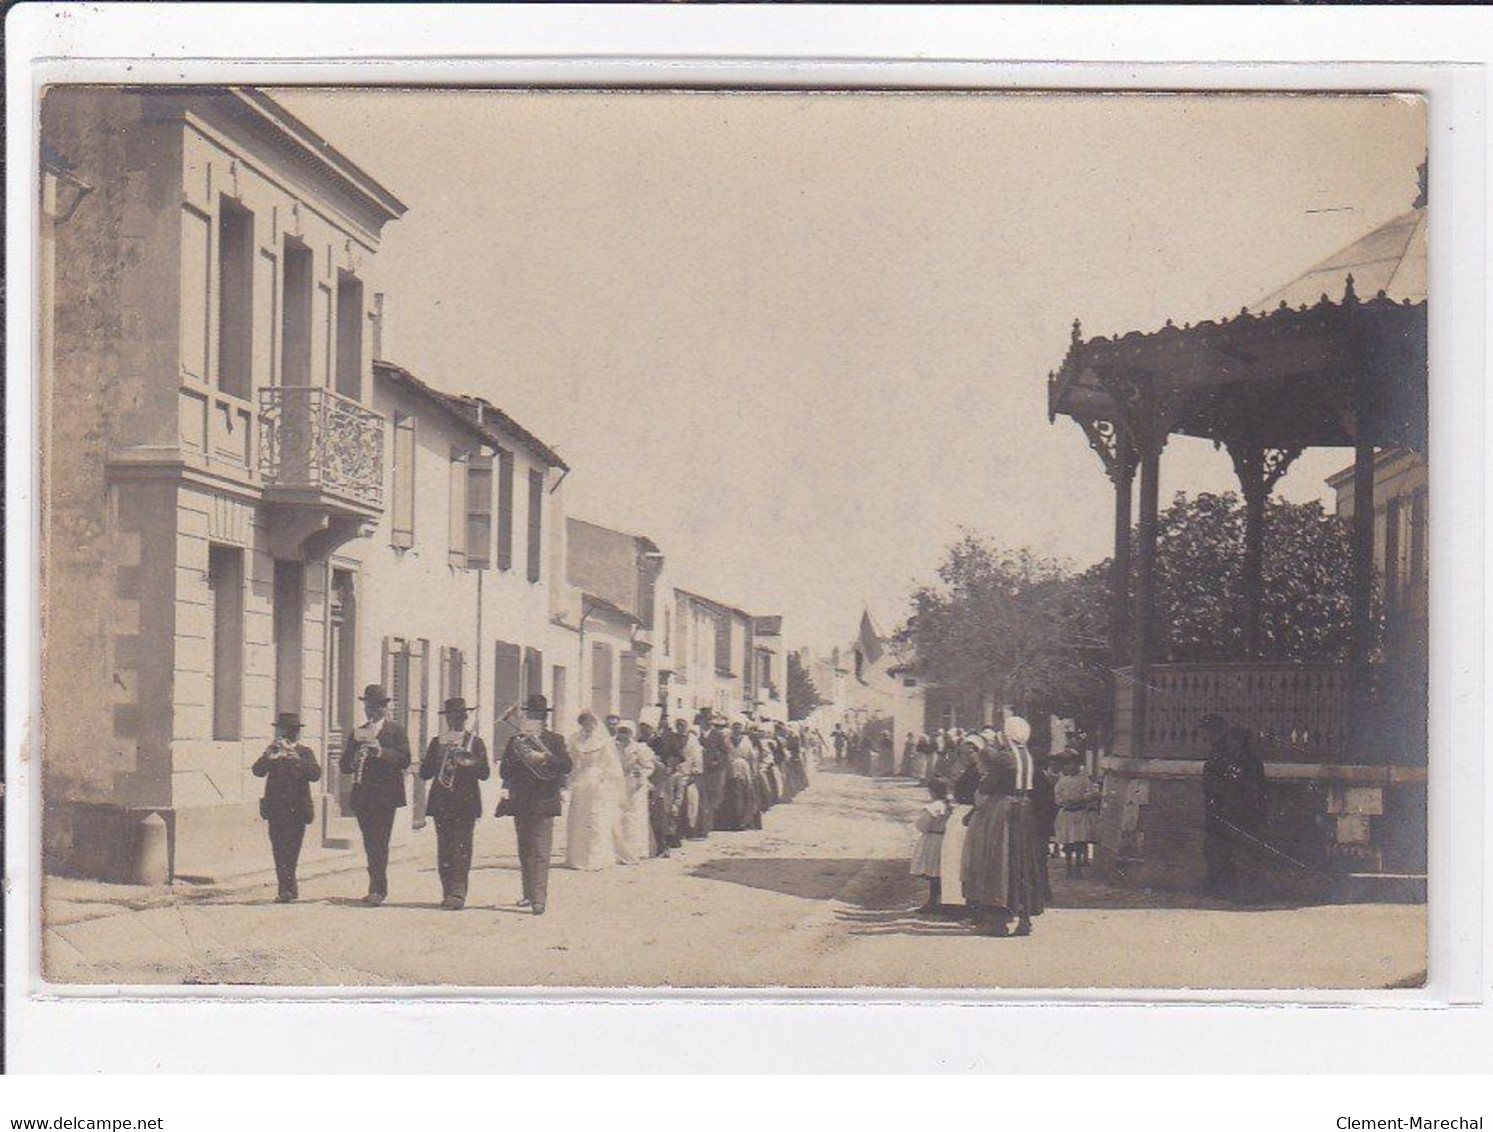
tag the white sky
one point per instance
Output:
(800, 339)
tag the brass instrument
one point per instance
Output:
(452, 755)
(367, 746)
(281, 748)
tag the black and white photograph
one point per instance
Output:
(736, 539)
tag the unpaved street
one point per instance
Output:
(820, 898)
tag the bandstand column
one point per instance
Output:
(1111, 441)
(1259, 469)
(1123, 477)
(1142, 642)
(1361, 605)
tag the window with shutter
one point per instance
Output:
(505, 509)
(508, 676)
(457, 512)
(402, 521)
(723, 645)
(394, 674)
(536, 523)
(479, 512)
(533, 673)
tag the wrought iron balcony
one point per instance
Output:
(318, 447)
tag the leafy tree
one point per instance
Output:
(803, 696)
(1012, 624)
(1200, 608)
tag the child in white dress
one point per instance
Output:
(931, 822)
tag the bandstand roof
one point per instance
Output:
(1285, 371)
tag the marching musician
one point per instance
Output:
(376, 755)
(454, 763)
(288, 769)
(533, 769)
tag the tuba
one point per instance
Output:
(535, 756)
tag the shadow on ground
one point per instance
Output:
(866, 882)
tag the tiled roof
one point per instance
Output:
(465, 409)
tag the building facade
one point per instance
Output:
(458, 589)
(208, 446)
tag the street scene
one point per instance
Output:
(823, 899)
(604, 539)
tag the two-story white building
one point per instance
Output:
(453, 592)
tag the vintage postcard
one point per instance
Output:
(958, 541)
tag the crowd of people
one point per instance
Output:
(635, 789)
(640, 791)
(996, 813)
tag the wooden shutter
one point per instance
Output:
(723, 643)
(419, 692)
(508, 676)
(479, 512)
(630, 686)
(558, 704)
(505, 509)
(601, 679)
(403, 519)
(533, 673)
(536, 523)
(457, 509)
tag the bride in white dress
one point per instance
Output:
(596, 787)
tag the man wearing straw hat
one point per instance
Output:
(376, 754)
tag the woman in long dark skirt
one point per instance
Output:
(1001, 872)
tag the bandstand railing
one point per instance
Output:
(1295, 712)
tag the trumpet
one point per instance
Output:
(281, 748)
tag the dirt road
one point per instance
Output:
(820, 898)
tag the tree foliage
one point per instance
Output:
(1032, 633)
(1200, 606)
(1012, 624)
(803, 696)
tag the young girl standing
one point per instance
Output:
(931, 822)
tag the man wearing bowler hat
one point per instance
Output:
(454, 764)
(288, 769)
(376, 755)
(533, 769)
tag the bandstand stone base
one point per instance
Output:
(1325, 826)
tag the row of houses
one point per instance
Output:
(248, 510)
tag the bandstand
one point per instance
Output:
(1335, 358)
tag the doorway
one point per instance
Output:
(338, 822)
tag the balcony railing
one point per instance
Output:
(318, 443)
(1296, 712)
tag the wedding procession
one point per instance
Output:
(628, 790)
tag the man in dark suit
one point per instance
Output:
(288, 769)
(533, 769)
(454, 764)
(376, 754)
